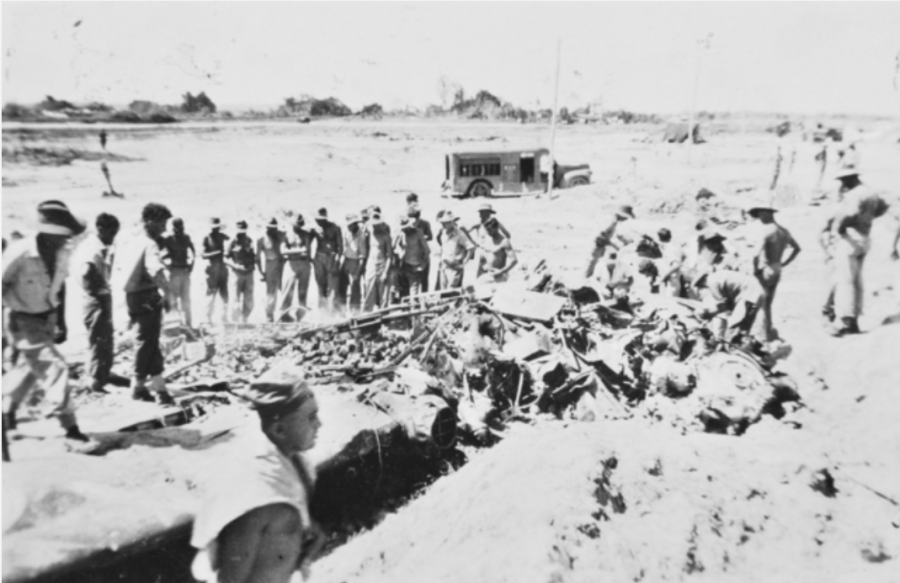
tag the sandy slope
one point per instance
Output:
(515, 512)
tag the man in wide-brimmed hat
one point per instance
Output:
(214, 247)
(456, 250)
(327, 259)
(846, 241)
(771, 241)
(241, 259)
(255, 523)
(34, 275)
(356, 250)
(607, 237)
(298, 253)
(270, 262)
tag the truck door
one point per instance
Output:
(526, 169)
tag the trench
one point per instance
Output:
(349, 499)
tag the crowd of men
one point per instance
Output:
(361, 266)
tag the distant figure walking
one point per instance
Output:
(112, 191)
(103, 139)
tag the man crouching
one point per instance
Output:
(256, 526)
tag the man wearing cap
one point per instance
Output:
(414, 212)
(412, 252)
(214, 246)
(772, 240)
(255, 523)
(327, 259)
(34, 274)
(145, 296)
(731, 295)
(178, 257)
(849, 231)
(270, 262)
(352, 265)
(456, 250)
(606, 237)
(98, 315)
(379, 261)
(241, 259)
(497, 257)
(298, 253)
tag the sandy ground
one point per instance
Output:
(524, 510)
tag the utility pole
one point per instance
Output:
(553, 121)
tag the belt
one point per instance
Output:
(39, 315)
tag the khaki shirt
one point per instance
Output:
(97, 268)
(27, 285)
(146, 269)
(355, 246)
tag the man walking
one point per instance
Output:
(456, 250)
(326, 261)
(352, 265)
(298, 253)
(145, 296)
(98, 315)
(412, 252)
(241, 259)
(270, 261)
(178, 257)
(850, 228)
(34, 274)
(214, 246)
(378, 263)
(768, 262)
(607, 236)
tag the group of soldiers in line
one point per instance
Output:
(360, 267)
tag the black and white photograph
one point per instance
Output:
(450, 292)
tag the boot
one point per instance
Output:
(139, 391)
(157, 386)
(848, 325)
(75, 434)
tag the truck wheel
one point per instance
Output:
(480, 188)
(578, 181)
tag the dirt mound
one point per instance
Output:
(58, 156)
(620, 502)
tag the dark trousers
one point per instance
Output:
(216, 285)
(328, 276)
(350, 287)
(98, 320)
(409, 281)
(426, 276)
(146, 311)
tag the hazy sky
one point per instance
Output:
(807, 57)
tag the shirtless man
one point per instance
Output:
(606, 238)
(768, 261)
(497, 257)
(256, 525)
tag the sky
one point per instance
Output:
(803, 57)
